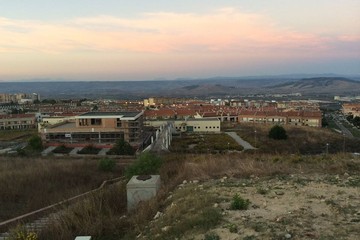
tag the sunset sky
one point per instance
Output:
(142, 39)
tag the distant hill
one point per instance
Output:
(210, 87)
(319, 85)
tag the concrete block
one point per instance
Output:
(141, 189)
(83, 238)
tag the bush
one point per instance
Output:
(277, 132)
(238, 203)
(121, 147)
(147, 163)
(35, 143)
(107, 165)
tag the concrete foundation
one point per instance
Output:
(141, 188)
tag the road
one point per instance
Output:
(343, 129)
(240, 141)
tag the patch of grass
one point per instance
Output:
(9, 135)
(301, 140)
(107, 165)
(232, 228)
(262, 190)
(188, 213)
(62, 149)
(239, 203)
(211, 236)
(89, 149)
(204, 143)
(52, 179)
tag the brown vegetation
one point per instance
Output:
(28, 184)
(104, 215)
(301, 140)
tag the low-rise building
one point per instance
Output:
(17, 121)
(351, 109)
(296, 118)
(202, 125)
(97, 128)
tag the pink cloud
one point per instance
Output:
(154, 40)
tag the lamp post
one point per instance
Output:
(228, 150)
(327, 148)
(255, 138)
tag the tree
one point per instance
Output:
(146, 164)
(35, 143)
(356, 121)
(277, 132)
(122, 147)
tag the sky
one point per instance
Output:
(146, 40)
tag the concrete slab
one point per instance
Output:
(240, 141)
(75, 151)
(48, 150)
(103, 151)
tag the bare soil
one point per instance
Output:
(287, 207)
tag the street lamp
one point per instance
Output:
(255, 138)
(327, 148)
(228, 150)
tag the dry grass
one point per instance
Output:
(28, 184)
(301, 140)
(9, 135)
(104, 214)
(204, 143)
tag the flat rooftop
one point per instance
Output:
(122, 115)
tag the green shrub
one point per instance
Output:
(35, 143)
(211, 236)
(238, 203)
(107, 165)
(147, 163)
(277, 132)
(233, 228)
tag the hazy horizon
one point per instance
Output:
(142, 40)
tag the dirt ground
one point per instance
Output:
(288, 207)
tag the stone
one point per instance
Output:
(216, 205)
(279, 193)
(184, 182)
(158, 214)
(196, 181)
(287, 236)
(165, 229)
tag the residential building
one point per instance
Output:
(296, 118)
(351, 109)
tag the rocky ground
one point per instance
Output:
(280, 207)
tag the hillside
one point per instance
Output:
(335, 85)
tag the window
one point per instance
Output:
(96, 121)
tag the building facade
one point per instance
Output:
(17, 121)
(97, 128)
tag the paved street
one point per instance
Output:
(240, 141)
